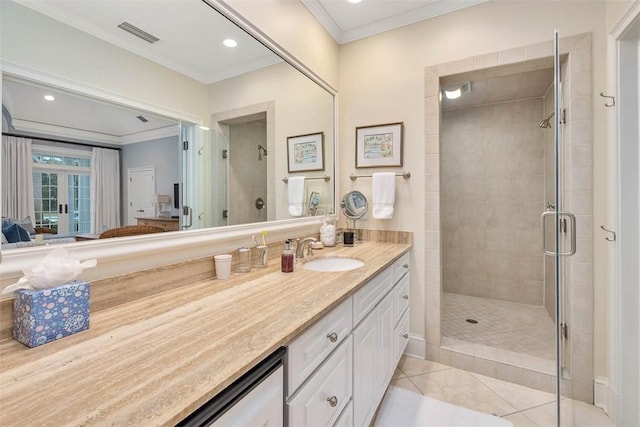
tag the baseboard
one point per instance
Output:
(601, 393)
(605, 397)
(416, 347)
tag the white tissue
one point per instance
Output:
(56, 268)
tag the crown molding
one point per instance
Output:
(429, 11)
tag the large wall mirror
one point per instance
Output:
(139, 113)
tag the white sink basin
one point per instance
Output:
(332, 264)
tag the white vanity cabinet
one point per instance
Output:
(340, 367)
(380, 338)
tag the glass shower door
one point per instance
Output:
(561, 226)
(203, 192)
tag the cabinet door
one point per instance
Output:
(321, 399)
(386, 350)
(346, 418)
(365, 369)
(263, 406)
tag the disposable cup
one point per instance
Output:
(223, 266)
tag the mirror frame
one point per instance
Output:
(128, 254)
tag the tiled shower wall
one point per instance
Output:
(247, 174)
(492, 193)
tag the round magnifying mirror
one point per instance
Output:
(354, 205)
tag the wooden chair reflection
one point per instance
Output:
(130, 230)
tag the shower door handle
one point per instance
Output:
(572, 220)
(187, 211)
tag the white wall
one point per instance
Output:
(382, 80)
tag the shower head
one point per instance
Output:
(546, 123)
(261, 152)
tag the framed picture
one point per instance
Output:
(306, 152)
(379, 145)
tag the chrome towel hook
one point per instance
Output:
(613, 100)
(613, 233)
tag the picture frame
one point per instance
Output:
(379, 145)
(305, 152)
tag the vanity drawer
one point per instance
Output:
(401, 297)
(307, 351)
(368, 296)
(321, 400)
(401, 336)
(401, 266)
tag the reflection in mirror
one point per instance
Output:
(207, 132)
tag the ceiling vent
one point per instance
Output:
(132, 29)
(142, 118)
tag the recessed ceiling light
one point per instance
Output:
(354, 1)
(203, 127)
(49, 97)
(456, 92)
(230, 43)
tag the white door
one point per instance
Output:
(61, 200)
(141, 189)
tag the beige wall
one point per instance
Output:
(382, 80)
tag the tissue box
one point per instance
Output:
(49, 314)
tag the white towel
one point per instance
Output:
(296, 195)
(383, 191)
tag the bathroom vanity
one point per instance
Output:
(154, 358)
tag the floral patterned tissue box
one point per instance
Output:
(46, 315)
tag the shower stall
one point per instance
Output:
(492, 182)
(497, 177)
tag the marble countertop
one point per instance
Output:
(155, 360)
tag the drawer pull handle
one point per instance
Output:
(405, 296)
(405, 336)
(333, 401)
(406, 266)
(333, 337)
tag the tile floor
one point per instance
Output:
(523, 406)
(519, 328)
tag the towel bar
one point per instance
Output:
(326, 178)
(353, 176)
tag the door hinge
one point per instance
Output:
(225, 154)
(185, 145)
(563, 120)
(563, 330)
(225, 214)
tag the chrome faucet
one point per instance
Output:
(300, 247)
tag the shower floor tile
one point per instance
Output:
(519, 328)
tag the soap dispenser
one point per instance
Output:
(287, 258)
